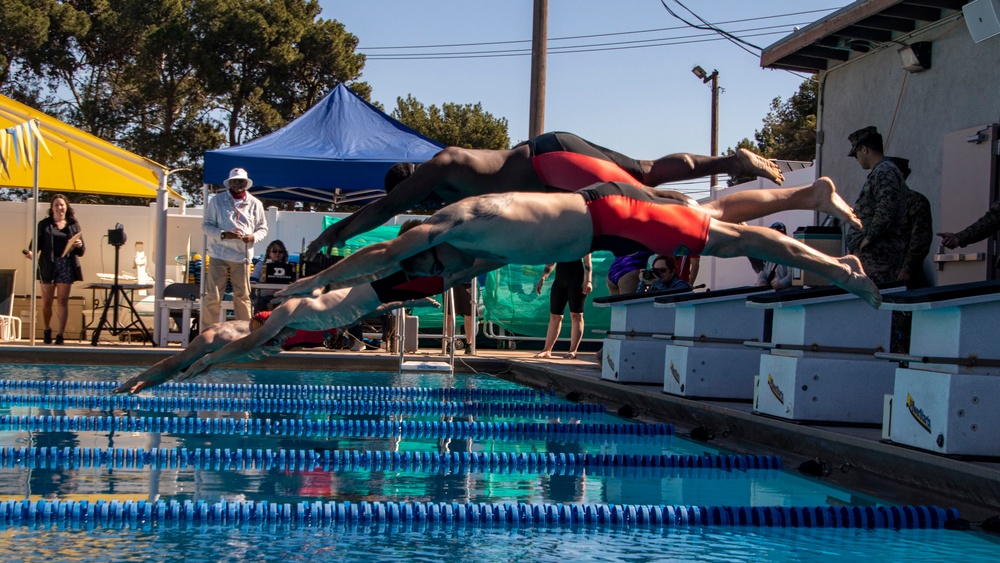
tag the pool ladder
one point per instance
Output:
(423, 364)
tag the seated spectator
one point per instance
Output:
(775, 275)
(661, 277)
(276, 253)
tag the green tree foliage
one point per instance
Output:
(454, 124)
(170, 79)
(789, 128)
(789, 131)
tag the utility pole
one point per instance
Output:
(714, 79)
(539, 41)
(715, 121)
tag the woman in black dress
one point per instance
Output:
(60, 246)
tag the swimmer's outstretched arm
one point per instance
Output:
(424, 302)
(372, 262)
(212, 339)
(408, 193)
(480, 266)
(253, 346)
(308, 287)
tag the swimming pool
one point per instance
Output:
(372, 466)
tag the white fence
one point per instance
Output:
(294, 228)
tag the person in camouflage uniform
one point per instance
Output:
(984, 227)
(921, 234)
(919, 226)
(881, 206)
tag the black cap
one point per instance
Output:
(863, 137)
(902, 163)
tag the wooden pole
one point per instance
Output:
(715, 121)
(539, 39)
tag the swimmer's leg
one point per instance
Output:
(686, 166)
(727, 240)
(748, 205)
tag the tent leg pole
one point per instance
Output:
(160, 274)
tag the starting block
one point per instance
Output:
(706, 356)
(630, 353)
(821, 365)
(948, 400)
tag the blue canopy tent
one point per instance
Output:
(336, 152)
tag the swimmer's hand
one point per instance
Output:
(197, 368)
(425, 302)
(305, 287)
(330, 237)
(142, 381)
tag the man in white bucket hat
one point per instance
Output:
(234, 220)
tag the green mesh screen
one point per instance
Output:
(511, 302)
(508, 298)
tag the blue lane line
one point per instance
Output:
(346, 460)
(284, 391)
(115, 513)
(323, 428)
(300, 406)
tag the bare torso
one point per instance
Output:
(473, 172)
(333, 309)
(523, 228)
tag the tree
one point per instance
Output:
(170, 79)
(34, 33)
(789, 131)
(453, 124)
(255, 60)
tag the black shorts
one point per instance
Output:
(463, 300)
(567, 288)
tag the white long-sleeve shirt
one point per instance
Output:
(224, 213)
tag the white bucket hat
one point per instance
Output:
(238, 174)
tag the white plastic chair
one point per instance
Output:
(10, 326)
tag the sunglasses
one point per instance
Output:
(659, 271)
(276, 251)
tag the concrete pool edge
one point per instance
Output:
(884, 470)
(887, 471)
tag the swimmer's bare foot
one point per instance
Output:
(756, 165)
(824, 197)
(857, 282)
(543, 354)
(570, 356)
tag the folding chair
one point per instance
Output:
(180, 303)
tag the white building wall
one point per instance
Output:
(724, 273)
(913, 111)
(292, 227)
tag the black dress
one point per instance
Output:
(53, 267)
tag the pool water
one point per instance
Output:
(508, 479)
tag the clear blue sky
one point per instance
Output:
(622, 87)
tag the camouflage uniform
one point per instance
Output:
(982, 228)
(881, 207)
(918, 225)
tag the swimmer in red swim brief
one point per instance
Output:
(552, 161)
(541, 228)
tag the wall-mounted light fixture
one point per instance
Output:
(981, 136)
(916, 56)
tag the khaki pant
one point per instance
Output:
(215, 288)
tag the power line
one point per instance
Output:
(709, 27)
(555, 50)
(446, 45)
